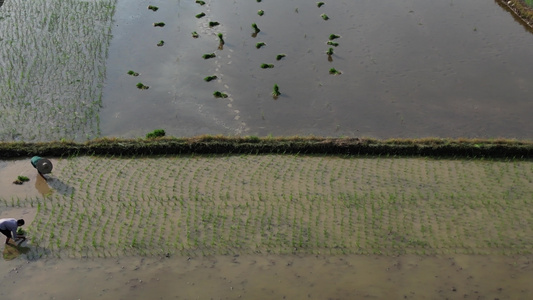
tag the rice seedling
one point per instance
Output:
(334, 44)
(213, 23)
(333, 36)
(23, 178)
(141, 86)
(160, 44)
(195, 34)
(209, 55)
(210, 78)
(320, 4)
(153, 8)
(285, 204)
(256, 29)
(267, 66)
(260, 12)
(275, 91)
(159, 24)
(334, 71)
(219, 94)
(200, 15)
(324, 17)
(155, 134)
(220, 39)
(330, 51)
(260, 44)
(280, 56)
(61, 43)
(200, 2)
(133, 73)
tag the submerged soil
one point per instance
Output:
(268, 227)
(271, 277)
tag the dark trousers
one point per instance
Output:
(6, 233)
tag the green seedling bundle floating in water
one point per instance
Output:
(334, 71)
(153, 8)
(280, 56)
(209, 55)
(141, 86)
(320, 4)
(200, 2)
(20, 180)
(221, 38)
(259, 45)
(330, 51)
(267, 66)
(159, 24)
(331, 43)
(256, 29)
(200, 15)
(275, 91)
(155, 134)
(133, 73)
(23, 178)
(210, 78)
(160, 44)
(219, 94)
(325, 17)
(333, 37)
(260, 12)
(213, 23)
(195, 34)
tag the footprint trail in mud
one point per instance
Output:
(220, 60)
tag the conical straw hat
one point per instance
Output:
(44, 166)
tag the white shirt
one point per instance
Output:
(9, 224)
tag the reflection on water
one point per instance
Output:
(12, 251)
(41, 185)
(410, 68)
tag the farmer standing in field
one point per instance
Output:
(43, 165)
(9, 226)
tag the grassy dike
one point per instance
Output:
(523, 9)
(428, 147)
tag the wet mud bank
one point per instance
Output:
(271, 277)
(431, 147)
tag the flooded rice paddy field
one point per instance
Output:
(409, 69)
(52, 68)
(266, 227)
(263, 227)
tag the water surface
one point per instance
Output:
(410, 68)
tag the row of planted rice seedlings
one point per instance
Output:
(377, 213)
(52, 68)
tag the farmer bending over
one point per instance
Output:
(8, 226)
(43, 165)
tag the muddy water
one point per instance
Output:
(261, 276)
(410, 68)
(270, 277)
(36, 187)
